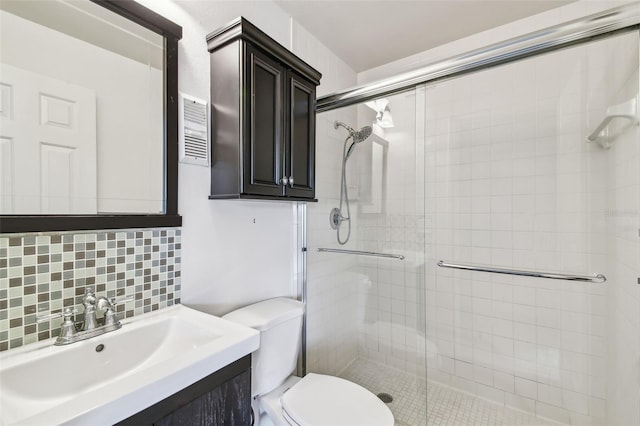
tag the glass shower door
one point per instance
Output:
(365, 319)
(511, 182)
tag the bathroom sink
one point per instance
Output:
(108, 378)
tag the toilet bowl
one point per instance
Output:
(282, 399)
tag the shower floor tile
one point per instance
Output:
(446, 405)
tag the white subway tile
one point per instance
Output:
(526, 388)
(503, 381)
(489, 392)
(525, 351)
(550, 394)
(483, 375)
(552, 412)
(519, 402)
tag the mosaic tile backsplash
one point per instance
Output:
(43, 273)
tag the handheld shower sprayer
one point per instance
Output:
(336, 217)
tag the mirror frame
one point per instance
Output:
(44, 222)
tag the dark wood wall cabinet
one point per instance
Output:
(220, 399)
(262, 117)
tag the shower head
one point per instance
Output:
(362, 134)
(356, 135)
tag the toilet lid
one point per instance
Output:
(318, 399)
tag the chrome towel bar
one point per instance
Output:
(599, 278)
(362, 253)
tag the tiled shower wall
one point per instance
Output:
(43, 273)
(511, 182)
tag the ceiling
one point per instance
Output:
(366, 34)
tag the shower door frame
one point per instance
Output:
(589, 28)
(618, 19)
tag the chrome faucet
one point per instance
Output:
(90, 327)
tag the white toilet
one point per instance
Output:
(314, 400)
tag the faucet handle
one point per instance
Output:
(116, 300)
(67, 314)
(68, 327)
(110, 316)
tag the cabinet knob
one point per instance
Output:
(291, 181)
(284, 181)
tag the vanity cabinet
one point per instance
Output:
(262, 117)
(222, 398)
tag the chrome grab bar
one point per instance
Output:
(362, 253)
(599, 278)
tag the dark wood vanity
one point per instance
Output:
(262, 117)
(222, 398)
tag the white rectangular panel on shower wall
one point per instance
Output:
(57, 178)
(52, 128)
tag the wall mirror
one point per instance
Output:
(88, 116)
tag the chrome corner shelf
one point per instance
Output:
(603, 135)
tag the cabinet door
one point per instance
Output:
(229, 405)
(301, 137)
(264, 137)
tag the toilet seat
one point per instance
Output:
(318, 399)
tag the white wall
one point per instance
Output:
(237, 252)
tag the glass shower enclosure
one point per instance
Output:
(492, 269)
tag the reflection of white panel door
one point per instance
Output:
(47, 145)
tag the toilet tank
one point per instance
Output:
(279, 322)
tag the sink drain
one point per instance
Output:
(385, 397)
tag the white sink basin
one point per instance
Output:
(150, 358)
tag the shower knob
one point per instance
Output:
(335, 218)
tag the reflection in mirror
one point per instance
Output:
(373, 175)
(81, 110)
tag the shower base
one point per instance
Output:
(446, 405)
